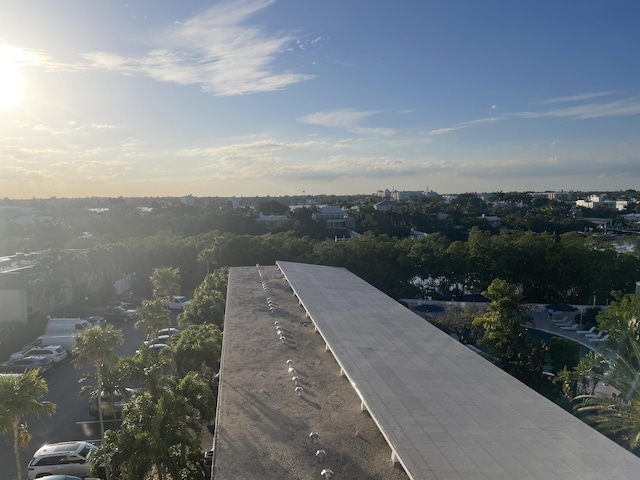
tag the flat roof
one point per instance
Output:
(446, 412)
(262, 426)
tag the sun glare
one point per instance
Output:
(10, 80)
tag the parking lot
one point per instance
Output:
(71, 420)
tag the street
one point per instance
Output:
(71, 420)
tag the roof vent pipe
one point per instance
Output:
(320, 455)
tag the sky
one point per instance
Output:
(289, 97)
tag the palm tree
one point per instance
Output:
(153, 316)
(96, 346)
(113, 377)
(166, 282)
(617, 416)
(160, 433)
(21, 395)
(147, 370)
(207, 257)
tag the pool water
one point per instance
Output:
(546, 338)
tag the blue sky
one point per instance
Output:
(277, 97)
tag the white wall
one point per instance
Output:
(13, 306)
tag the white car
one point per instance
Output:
(168, 331)
(23, 364)
(56, 353)
(178, 302)
(66, 458)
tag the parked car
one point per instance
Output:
(66, 326)
(68, 341)
(119, 314)
(112, 404)
(161, 339)
(96, 320)
(168, 331)
(56, 353)
(178, 302)
(155, 348)
(65, 458)
(119, 303)
(21, 365)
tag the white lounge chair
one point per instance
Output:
(559, 320)
(586, 332)
(565, 324)
(575, 326)
(594, 336)
(604, 338)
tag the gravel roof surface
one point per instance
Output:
(263, 425)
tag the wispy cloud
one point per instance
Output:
(463, 125)
(216, 50)
(479, 121)
(440, 131)
(349, 119)
(579, 97)
(617, 108)
(71, 128)
(623, 107)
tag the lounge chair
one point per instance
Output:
(586, 332)
(566, 324)
(559, 320)
(594, 336)
(575, 326)
(604, 338)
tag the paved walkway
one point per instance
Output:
(544, 324)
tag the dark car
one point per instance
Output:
(112, 404)
(119, 314)
(20, 365)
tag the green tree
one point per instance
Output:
(458, 321)
(197, 348)
(166, 282)
(207, 306)
(153, 315)
(147, 370)
(208, 257)
(21, 395)
(96, 347)
(505, 334)
(160, 435)
(622, 322)
(617, 416)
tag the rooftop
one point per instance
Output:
(435, 407)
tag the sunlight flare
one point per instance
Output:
(10, 79)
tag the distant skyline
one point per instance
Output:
(277, 97)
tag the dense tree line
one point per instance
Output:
(550, 268)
